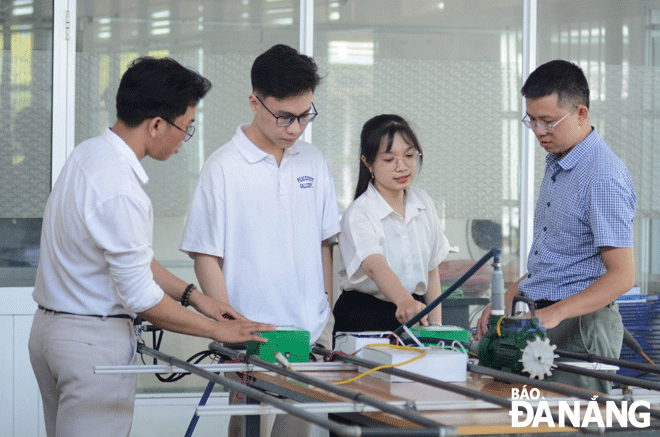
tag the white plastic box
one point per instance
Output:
(442, 364)
(350, 342)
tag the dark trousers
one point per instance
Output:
(356, 311)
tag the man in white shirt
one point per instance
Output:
(97, 268)
(265, 207)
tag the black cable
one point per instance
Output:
(157, 339)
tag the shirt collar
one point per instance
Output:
(127, 153)
(383, 209)
(577, 153)
(254, 154)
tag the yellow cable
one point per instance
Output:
(499, 322)
(385, 366)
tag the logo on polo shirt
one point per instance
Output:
(306, 181)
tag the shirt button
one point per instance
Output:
(529, 275)
(545, 228)
(536, 252)
(548, 204)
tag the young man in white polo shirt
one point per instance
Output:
(97, 267)
(265, 207)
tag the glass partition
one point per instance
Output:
(452, 69)
(617, 44)
(26, 71)
(220, 39)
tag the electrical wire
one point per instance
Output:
(386, 366)
(157, 338)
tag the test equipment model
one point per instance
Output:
(515, 351)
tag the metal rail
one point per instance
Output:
(340, 429)
(551, 386)
(608, 376)
(430, 307)
(344, 407)
(228, 367)
(343, 392)
(650, 368)
(506, 403)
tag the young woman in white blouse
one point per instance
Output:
(391, 240)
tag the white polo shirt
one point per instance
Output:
(267, 223)
(413, 245)
(96, 239)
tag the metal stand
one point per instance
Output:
(431, 428)
(202, 402)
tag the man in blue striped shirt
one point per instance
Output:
(581, 258)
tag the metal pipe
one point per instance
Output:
(231, 367)
(202, 402)
(650, 368)
(557, 388)
(343, 430)
(497, 307)
(496, 400)
(634, 345)
(342, 407)
(344, 392)
(430, 307)
(442, 384)
(600, 374)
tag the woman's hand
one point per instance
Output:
(408, 308)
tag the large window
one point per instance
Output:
(220, 39)
(452, 69)
(26, 35)
(617, 45)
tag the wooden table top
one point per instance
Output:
(470, 416)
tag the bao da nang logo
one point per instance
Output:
(573, 413)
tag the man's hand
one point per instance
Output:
(169, 315)
(239, 331)
(409, 308)
(214, 309)
(548, 316)
(482, 324)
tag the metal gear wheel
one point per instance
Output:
(538, 358)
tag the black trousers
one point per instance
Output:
(356, 311)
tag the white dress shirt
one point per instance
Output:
(413, 244)
(96, 239)
(267, 223)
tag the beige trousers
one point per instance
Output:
(77, 402)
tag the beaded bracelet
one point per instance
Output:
(185, 299)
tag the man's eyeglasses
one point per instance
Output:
(544, 127)
(287, 120)
(389, 161)
(189, 131)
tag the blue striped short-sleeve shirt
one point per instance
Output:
(587, 202)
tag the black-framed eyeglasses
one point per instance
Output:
(287, 120)
(189, 131)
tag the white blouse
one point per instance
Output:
(413, 245)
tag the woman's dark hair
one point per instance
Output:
(158, 87)
(373, 132)
(282, 72)
(561, 77)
